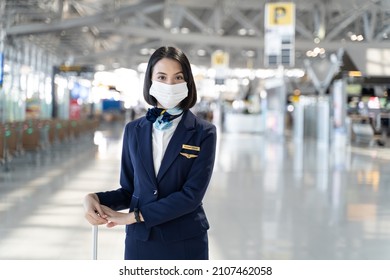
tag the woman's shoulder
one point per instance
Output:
(139, 122)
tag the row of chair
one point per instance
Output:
(34, 135)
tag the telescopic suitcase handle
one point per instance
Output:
(94, 241)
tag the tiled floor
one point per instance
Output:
(268, 199)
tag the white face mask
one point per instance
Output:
(169, 96)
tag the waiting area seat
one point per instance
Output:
(40, 135)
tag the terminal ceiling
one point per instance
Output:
(123, 33)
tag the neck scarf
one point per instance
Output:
(162, 118)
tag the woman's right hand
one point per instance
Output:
(93, 210)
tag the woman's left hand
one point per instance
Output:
(115, 218)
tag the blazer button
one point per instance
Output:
(155, 192)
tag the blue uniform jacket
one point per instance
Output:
(172, 202)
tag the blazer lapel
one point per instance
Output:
(184, 131)
(145, 148)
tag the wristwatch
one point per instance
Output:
(136, 215)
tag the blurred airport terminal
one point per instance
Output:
(299, 92)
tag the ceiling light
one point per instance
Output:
(167, 23)
(144, 51)
(250, 53)
(220, 31)
(309, 53)
(242, 32)
(354, 74)
(100, 67)
(201, 52)
(185, 30)
(355, 37)
(175, 30)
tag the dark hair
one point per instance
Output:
(179, 56)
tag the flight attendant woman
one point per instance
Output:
(166, 166)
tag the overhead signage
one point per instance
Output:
(279, 36)
(220, 59)
(220, 62)
(280, 14)
(74, 69)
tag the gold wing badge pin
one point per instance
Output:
(188, 155)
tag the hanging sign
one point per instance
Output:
(279, 36)
(220, 62)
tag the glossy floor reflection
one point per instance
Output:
(268, 199)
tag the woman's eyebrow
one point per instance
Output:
(162, 73)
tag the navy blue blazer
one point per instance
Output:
(172, 202)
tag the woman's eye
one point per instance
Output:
(180, 78)
(161, 78)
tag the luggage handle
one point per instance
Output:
(94, 241)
